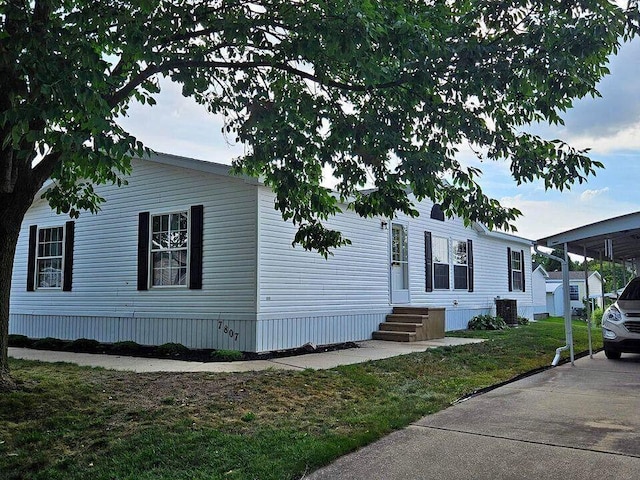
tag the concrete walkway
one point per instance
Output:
(369, 350)
(565, 423)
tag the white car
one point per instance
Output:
(621, 323)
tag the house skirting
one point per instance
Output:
(226, 331)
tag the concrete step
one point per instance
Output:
(400, 327)
(394, 336)
(406, 318)
(411, 310)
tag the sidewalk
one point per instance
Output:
(369, 350)
(566, 423)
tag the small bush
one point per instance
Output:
(171, 349)
(86, 345)
(596, 316)
(49, 343)
(248, 417)
(523, 320)
(227, 355)
(126, 346)
(20, 341)
(486, 322)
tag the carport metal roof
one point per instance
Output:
(623, 232)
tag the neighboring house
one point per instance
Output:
(538, 288)
(577, 291)
(187, 253)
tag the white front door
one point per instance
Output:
(399, 264)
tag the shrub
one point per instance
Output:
(486, 322)
(171, 349)
(86, 345)
(126, 346)
(523, 320)
(596, 316)
(49, 343)
(21, 341)
(227, 355)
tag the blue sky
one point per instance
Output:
(609, 126)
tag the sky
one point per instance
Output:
(609, 126)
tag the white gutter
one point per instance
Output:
(568, 327)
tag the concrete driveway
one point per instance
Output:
(565, 423)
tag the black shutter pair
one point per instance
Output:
(428, 263)
(195, 255)
(67, 261)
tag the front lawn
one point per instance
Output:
(69, 422)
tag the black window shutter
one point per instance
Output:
(522, 267)
(509, 269)
(195, 239)
(31, 259)
(67, 269)
(143, 251)
(470, 264)
(428, 263)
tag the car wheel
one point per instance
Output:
(612, 354)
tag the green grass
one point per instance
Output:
(69, 422)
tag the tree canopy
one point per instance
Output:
(380, 92)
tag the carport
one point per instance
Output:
(616, 239)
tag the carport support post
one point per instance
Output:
(586, 287)
(568, 327)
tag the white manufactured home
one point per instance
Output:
(187, 253)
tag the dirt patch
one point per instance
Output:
(172, 351)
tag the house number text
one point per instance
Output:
(229, 331)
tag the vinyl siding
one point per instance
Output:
(295, 282)
(306, 298)
(105, 256)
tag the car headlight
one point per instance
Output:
(612, 315)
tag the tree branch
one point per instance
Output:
(137, 80)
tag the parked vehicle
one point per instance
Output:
(621, 323)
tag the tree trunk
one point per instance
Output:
(12, 210)
(8, 241)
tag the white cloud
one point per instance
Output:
(541, 218)
(589, 195)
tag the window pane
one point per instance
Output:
(460, 277)
(516, 280)
(441, 276)
(440, 247)
(515, 261)
(49, 273)
(459, 252)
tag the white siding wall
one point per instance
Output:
(303, 297)
(105, 265)
(595, 289)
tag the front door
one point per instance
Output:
(399, 264)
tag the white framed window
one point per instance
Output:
(49, 257)
(169, 249)
(516, 270)
(460, 265)
(574, 292)
(440, 252)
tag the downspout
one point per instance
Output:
(568, 328)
